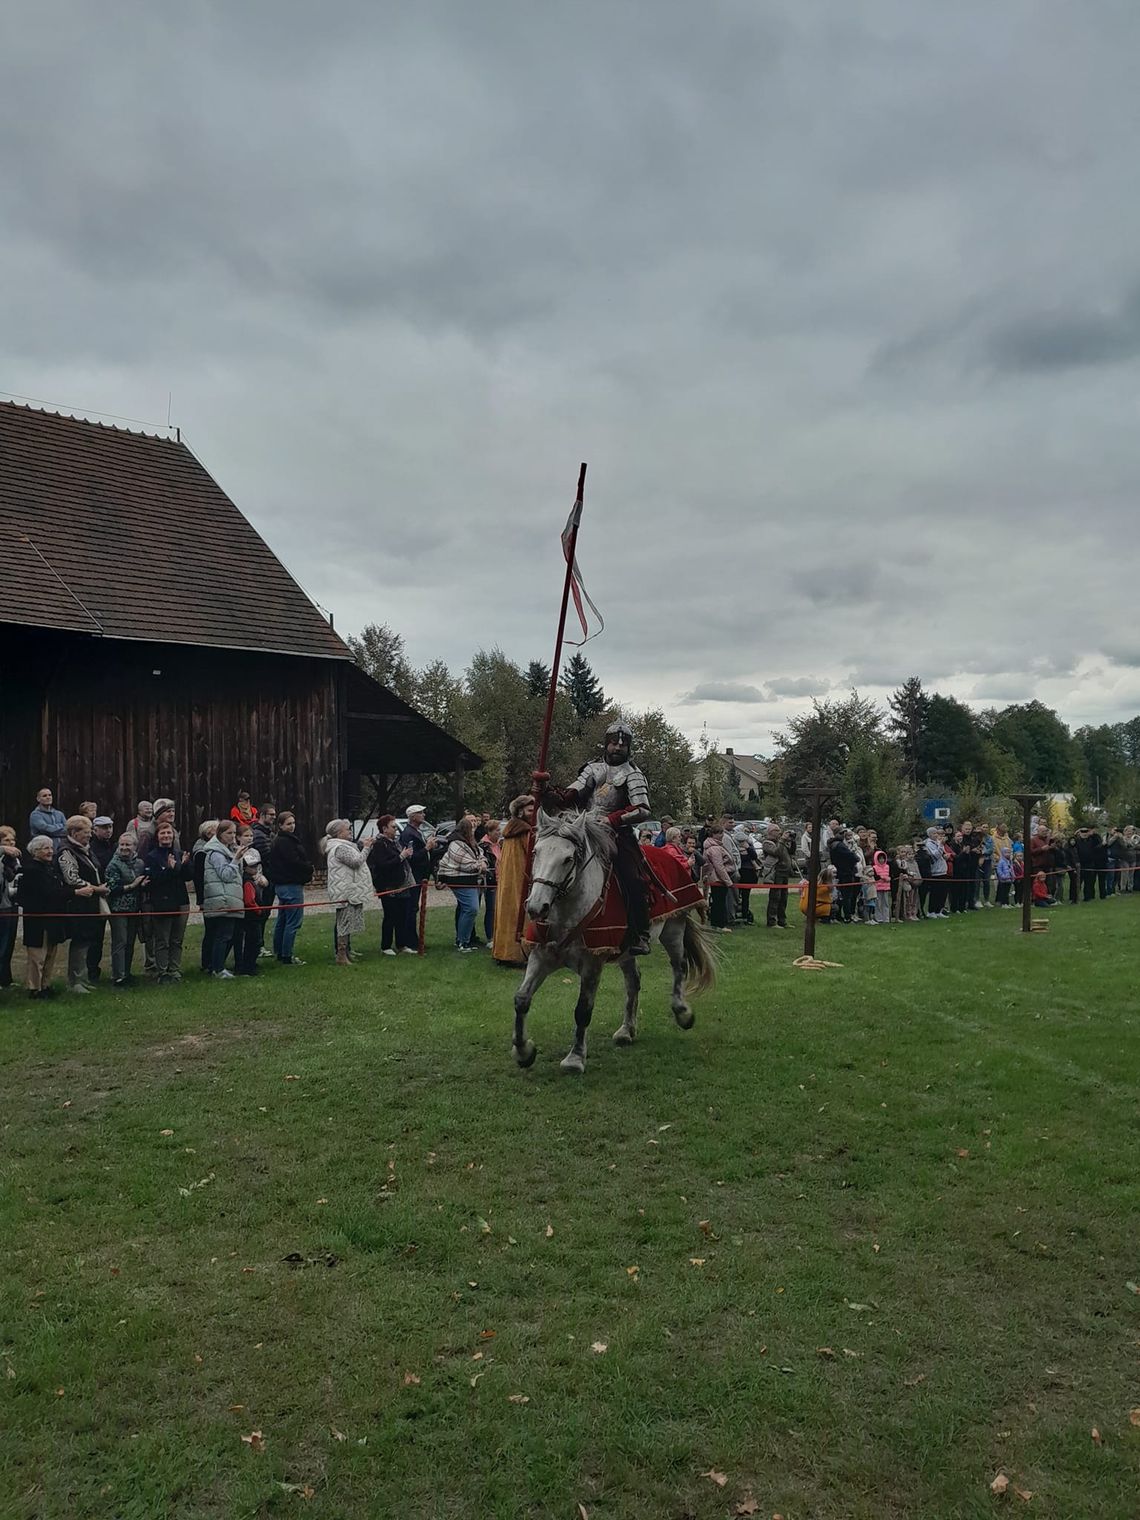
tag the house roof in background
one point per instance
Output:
(116, 533)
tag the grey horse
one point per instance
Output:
(572, 853)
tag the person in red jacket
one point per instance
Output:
(243, 813)
(1041, 895)
(253, 920)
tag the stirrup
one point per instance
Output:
(639, 945)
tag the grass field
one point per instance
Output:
(860, 1242)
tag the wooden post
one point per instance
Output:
(817, 794)
(1027, 799)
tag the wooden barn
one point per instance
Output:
(151, 644)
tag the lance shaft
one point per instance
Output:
(539, 774)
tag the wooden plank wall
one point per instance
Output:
(122, 721)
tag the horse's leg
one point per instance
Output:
(626, 1033)
(590, 971)
(540, 963)
(673, 940)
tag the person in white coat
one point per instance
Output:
(349, 883)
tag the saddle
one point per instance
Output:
(669, 886)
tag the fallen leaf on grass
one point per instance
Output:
(1097, 1438)
(59, 1392)
(599, 1347)
(337, 1435)
(1132, 1287)
(411, 1380)
(166, 1131)
(549, 1232)
(696, 1261)
(747, 1506)
(583, 1512)
(661, 1128)
(862, 1308)
(487, 1335)
(291, 1078)
(705, 1226)
(306, 1490)
(1000, 1484)
(255, 1440)
(236, 1408)
(719, 1478)
(518, 1398)
(962, 1153)
(1134, 1417)
(321, 1201)
(484, 1227)
(1023, 1493)
(919, 1377)
(826, 1352)
(185, 1192)
(632, 1271)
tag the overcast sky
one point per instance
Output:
(840, 302)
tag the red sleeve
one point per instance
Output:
(249, 894)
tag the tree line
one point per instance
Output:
(495, 707)
(885, 761)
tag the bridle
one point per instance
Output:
(561, 888)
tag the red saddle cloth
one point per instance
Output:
(603, 929)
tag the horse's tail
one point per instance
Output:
(700, 961)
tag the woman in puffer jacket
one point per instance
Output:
(349, 883)
(223, 905)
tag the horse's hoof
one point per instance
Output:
(574, 1064)
(685, 1017)
(525, 1054)
(623, 1036)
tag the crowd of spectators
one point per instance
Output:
(78, 885)
(945, 871)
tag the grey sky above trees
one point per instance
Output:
(841, 304)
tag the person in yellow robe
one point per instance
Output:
(505, 945)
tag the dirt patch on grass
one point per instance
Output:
(202, 1042)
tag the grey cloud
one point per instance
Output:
(798, 686)
(1123, 653)
(786, 276)
(723, 691)
(1057, 340)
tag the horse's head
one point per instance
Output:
(563, 844)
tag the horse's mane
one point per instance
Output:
(582, 829)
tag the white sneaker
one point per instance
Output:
(407, 951)
(387, 952)
(224, 976)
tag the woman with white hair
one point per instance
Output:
(349, 883)
(40, 893)
(84, 884)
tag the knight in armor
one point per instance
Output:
(615, 790)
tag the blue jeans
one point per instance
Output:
(489, 913)
(289, 919)
(468, 901)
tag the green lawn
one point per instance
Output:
(326, 1206)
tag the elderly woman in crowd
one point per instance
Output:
(9, 913)
(41, 893)
(463, 869)
(389, 869)
(223, 903)
(717, 876)
(349, 882)
(84, 884)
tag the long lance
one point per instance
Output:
(539, 775)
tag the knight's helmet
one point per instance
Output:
(622, 733)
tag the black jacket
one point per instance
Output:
(385, 865)
(287, 865)
(168, 874)
(845, 861)
(40, 891)
(1088, 846)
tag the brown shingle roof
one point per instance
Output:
(104, 530)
